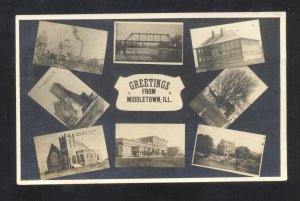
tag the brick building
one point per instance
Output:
(70, 106)
(228, 49)
(71, 154)
(226, 147)
(145, 146)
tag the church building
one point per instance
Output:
(71, 154)
(70, 106)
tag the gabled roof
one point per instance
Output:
(53, 148)
(219, 38)
(81, 146)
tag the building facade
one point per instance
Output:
(71, 154)
(70, 106)
(141, 147)
(226, 107)
(226, 148)
(228, 49)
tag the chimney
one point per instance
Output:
(222, 31)
(213, 34)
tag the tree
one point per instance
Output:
(204, 144)
(177, 38)
(243, 152)
(234, 86)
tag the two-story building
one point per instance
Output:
(228, 49)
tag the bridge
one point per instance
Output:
(149, 37)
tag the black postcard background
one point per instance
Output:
(261, 117)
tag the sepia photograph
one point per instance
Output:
(150, 145)
(70, 47)
(68, 99)
(71, 152)
(148, 42)
(226, 46)
(229, 150)
(228, 96)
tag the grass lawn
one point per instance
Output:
(72, 171)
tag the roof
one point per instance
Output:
(81, 146)
(227, 36)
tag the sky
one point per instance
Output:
(251, 140)
(124, 29)
(94, 45)
(41, 91)
(247, 29)
(173, 133)
(94, 140)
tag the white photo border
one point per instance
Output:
(143, 62)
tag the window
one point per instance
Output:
(223, 46)
(73, 159)
(236, 43)
(213, 53)
(54, 159)
(231, 45)
(227, 46)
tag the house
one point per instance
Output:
(228, 49)
(145, 146)
(71, 154)
(225, 106)
(226, 148)
(70, 106)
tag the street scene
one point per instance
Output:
(148, 42)
(70, 47)
(228, 96)
(149, 145)
(228, 150)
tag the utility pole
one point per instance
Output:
(59, 41)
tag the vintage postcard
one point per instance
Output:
(229, 150)
(68, 99)
(148, 42)
(71, 152)
(150, 145)
(151, 124)
(70, 47)
(228, 96)
(227, 45)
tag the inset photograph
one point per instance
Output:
(229, 150)
(228, 96)
(68, 99)
(148, 43)
(70, 47)
(71, 152)
(150, 145)
(227, 46)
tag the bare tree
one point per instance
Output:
(234, 86)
